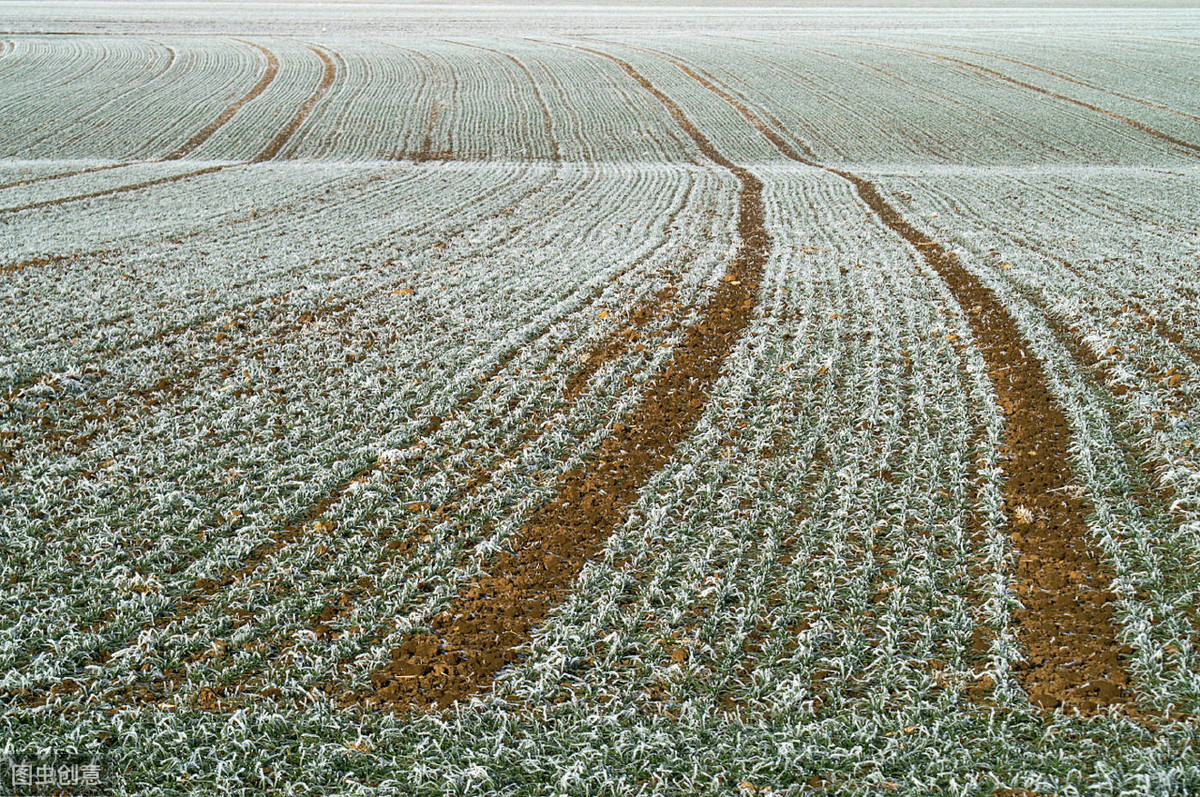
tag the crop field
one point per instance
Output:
(771, 410)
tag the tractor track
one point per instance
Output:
(969, 66)
(271, 152)
(1067, 624)
(268, 77)
(485, 625)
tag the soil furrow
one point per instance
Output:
(61, 175)
(119, 190)
(205, 588)
(285, 135)
(983, 70)
(259, 87)
(1067, 624)
(481, 631)
(643, 316)
(397, 548)
(547, 119)
(1078, 82)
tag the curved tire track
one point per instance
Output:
(1066, 624)
(285, 135)
(259, 87)
(480, 632)
(61, 175)
(547, 119)
(46, 203)
(992, 73)
(272, 150)
(1078, 82)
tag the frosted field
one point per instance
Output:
(594, 401)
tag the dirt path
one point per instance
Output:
(1067, 623)
(259, 87)
(480, 632)
(1085, 84)
(286, 134)
(985, 71)
(119, 189)
(643, 316)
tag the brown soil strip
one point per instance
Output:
(1067, 624)
(1078, 82)
(426, 152)
(285, 135)
(205, 588)
(396, 549)
(60, 175)
(644, 314)
(983, 70)
(119, 190)
(259, 87)
(480, 632)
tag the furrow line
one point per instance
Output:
(205, 588)
(1078, 82)
(397, 549)
(1069, 634)
(282, 138)
(547, 119)
(482, 629)
(265, 81)
(119, 190)
(983, 70)
(644, 315)
(61, 175)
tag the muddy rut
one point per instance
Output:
(1067, 625)
(483, 628)
(997, 75)
(271, 151)
(205, 134)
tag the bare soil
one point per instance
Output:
(259, 87)
(483, 629)
(1066, 624)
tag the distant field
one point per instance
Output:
(757, 411)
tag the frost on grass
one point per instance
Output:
(349, 369)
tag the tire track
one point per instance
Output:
(272, 150)
(986, 72)
(61, 175)
(259, 87)
(368, 585)
(1077, 81)
(643, 315)
(479, 633)
(286, 134)
(1067, 624)
(46, 203)
(947, 156)
(192, 143)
